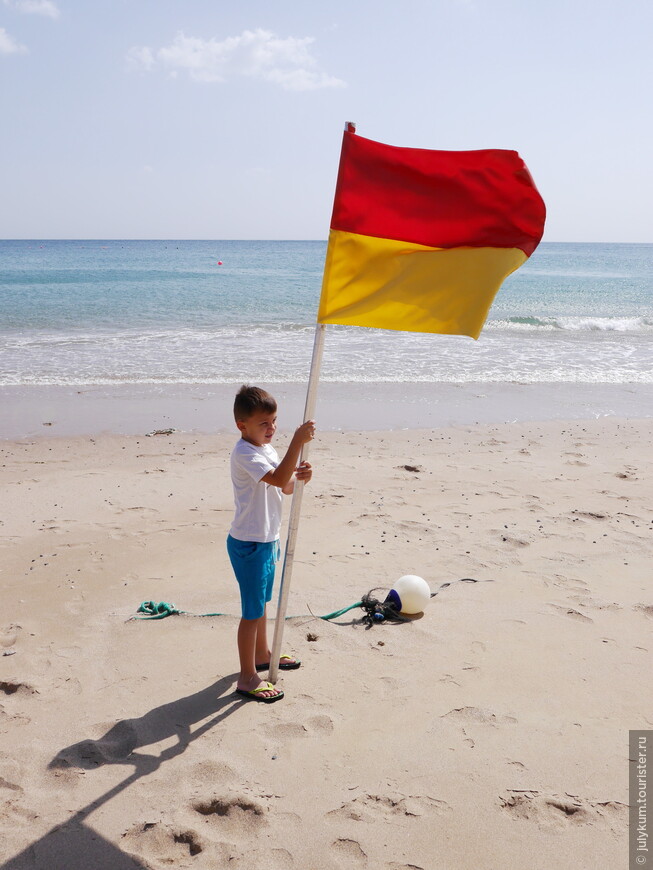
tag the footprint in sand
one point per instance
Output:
(390, 687)
(118, 534)
(314, 726)
(16, 687)
(10, 774)
(385, 810)
(568, 584)
(14, 718)
(477, 716)
(589, 515)
(171, 845)
(264, 859)
(569, 612)
(559, 811)
(233, 807)
(9, 635)
(191, 839)
(515, 543)
(373, 808)
(350, 851)
(232, 815)
(221, 830)
(9, 786)
(448, 678)
(595, 603)
(210, 773)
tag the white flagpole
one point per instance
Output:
(295, 507)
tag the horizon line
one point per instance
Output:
(323, 241)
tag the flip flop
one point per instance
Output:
(255, 694)
(290, 665)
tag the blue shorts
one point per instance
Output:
(253, 563)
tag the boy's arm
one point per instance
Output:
(282, 474)
(303, 472)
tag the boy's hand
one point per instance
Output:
(304, 471)
(305, 432)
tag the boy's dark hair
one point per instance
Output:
(251, 400)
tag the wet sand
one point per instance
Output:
(129, 409)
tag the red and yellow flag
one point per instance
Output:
(422, 240)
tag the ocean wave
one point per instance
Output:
(273, 377)
(276, 330)
(281, 352)
(106, 337)
(573, 324)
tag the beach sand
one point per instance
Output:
(491, 733)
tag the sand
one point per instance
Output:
(491, 733)
(133, 409)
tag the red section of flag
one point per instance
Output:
(443, 199)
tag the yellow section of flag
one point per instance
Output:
(389, 284)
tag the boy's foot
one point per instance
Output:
(286, 663)
(265, 692)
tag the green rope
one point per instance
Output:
(156, 610)
(161, 609)
(337, 613)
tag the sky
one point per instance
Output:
(208, 119)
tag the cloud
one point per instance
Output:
(141, 57)
(257, 54)
(8, 44)
(35, 7)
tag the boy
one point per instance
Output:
(259, 479)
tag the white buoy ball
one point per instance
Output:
(413, 593)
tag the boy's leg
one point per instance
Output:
(262, 651)
(249, 679)
(251, 567)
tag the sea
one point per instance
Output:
(76, 313)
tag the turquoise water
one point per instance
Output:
(86, 312)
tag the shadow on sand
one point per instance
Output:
(74, 845)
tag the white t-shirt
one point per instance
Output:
(258, 505)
